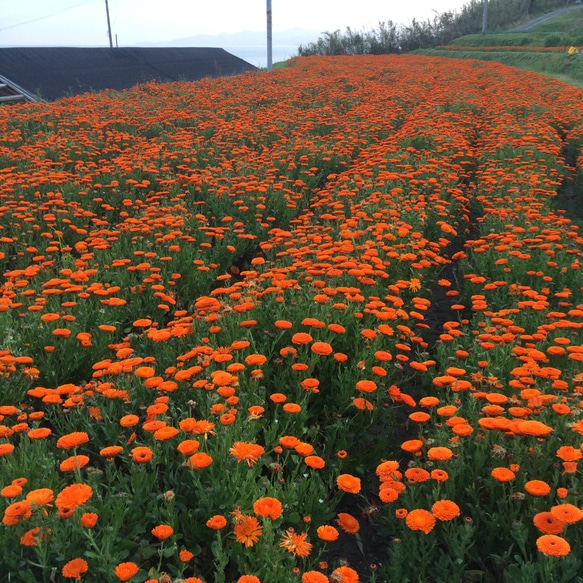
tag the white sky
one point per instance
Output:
(84, 22)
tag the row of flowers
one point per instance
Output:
(222, 301)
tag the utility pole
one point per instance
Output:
(108, 25)
(269, 38)
(485, 18)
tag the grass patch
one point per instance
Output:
(560, 65)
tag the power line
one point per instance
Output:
(29, 20)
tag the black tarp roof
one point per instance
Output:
(56, 72)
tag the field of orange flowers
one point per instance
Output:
(245, 321)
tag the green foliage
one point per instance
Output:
(447, 27)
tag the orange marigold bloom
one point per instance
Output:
(553, 545)
(247, 530)
(75, 568)
(247, 579)
(125, 571)
(387, 470)
(345, 575)
(420, 519)
(439, 475)
(188, 447)
(141, 454)
(503, 474)
(548, 524)
(129, 420)
(321, 348)
(535, 428)
(327, 533)
(162, 531)
(416, 475)
(31, 537)
(289, 441)
(537, 488)
(412, 445)
(72, 440)
(39, 433)
(419, 417)
(74, 462)
(348, 483)
(216, 522)
(314, 577)
(567, 513)
(19, 511)
(268, 507)
(439, 453)
(200, 460)
(301, 338)
(296, 543)
(569, 454)
(249, 452)
(111, 451)
(40, 497)
(366, 386)
(348, 523)
(89, 519)
(185, 556)
(445, 510)
(315, 462)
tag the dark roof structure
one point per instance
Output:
(56, 72)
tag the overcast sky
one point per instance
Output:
(84, 22)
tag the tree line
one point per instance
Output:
(444, 27)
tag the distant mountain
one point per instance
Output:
(292, 37)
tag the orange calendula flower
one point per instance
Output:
(249, 452)
(348, 523)
(89, 519)
(439, 453)
(548, 524)
(129, 420)
(301, 338)
(125, 571)
(345, 575)
(72, 440)
(445, 510)
(75, 568)
(420, 519)
(553, 545)
(17, 512)
(142, 454)
(162, 531)
(216, 522)
(247, 530)
(503, 474)
(321, 348)
(268, 507)
(74, 462)
(348, 483)
(314, 577)
(327, 533)
(366, 386)
(72, 496)
(296, 543)
(200, 460)
(40, 497)
(537, 488)
(315, 462)
(569, 454)
(111, 451)
(568, 513)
